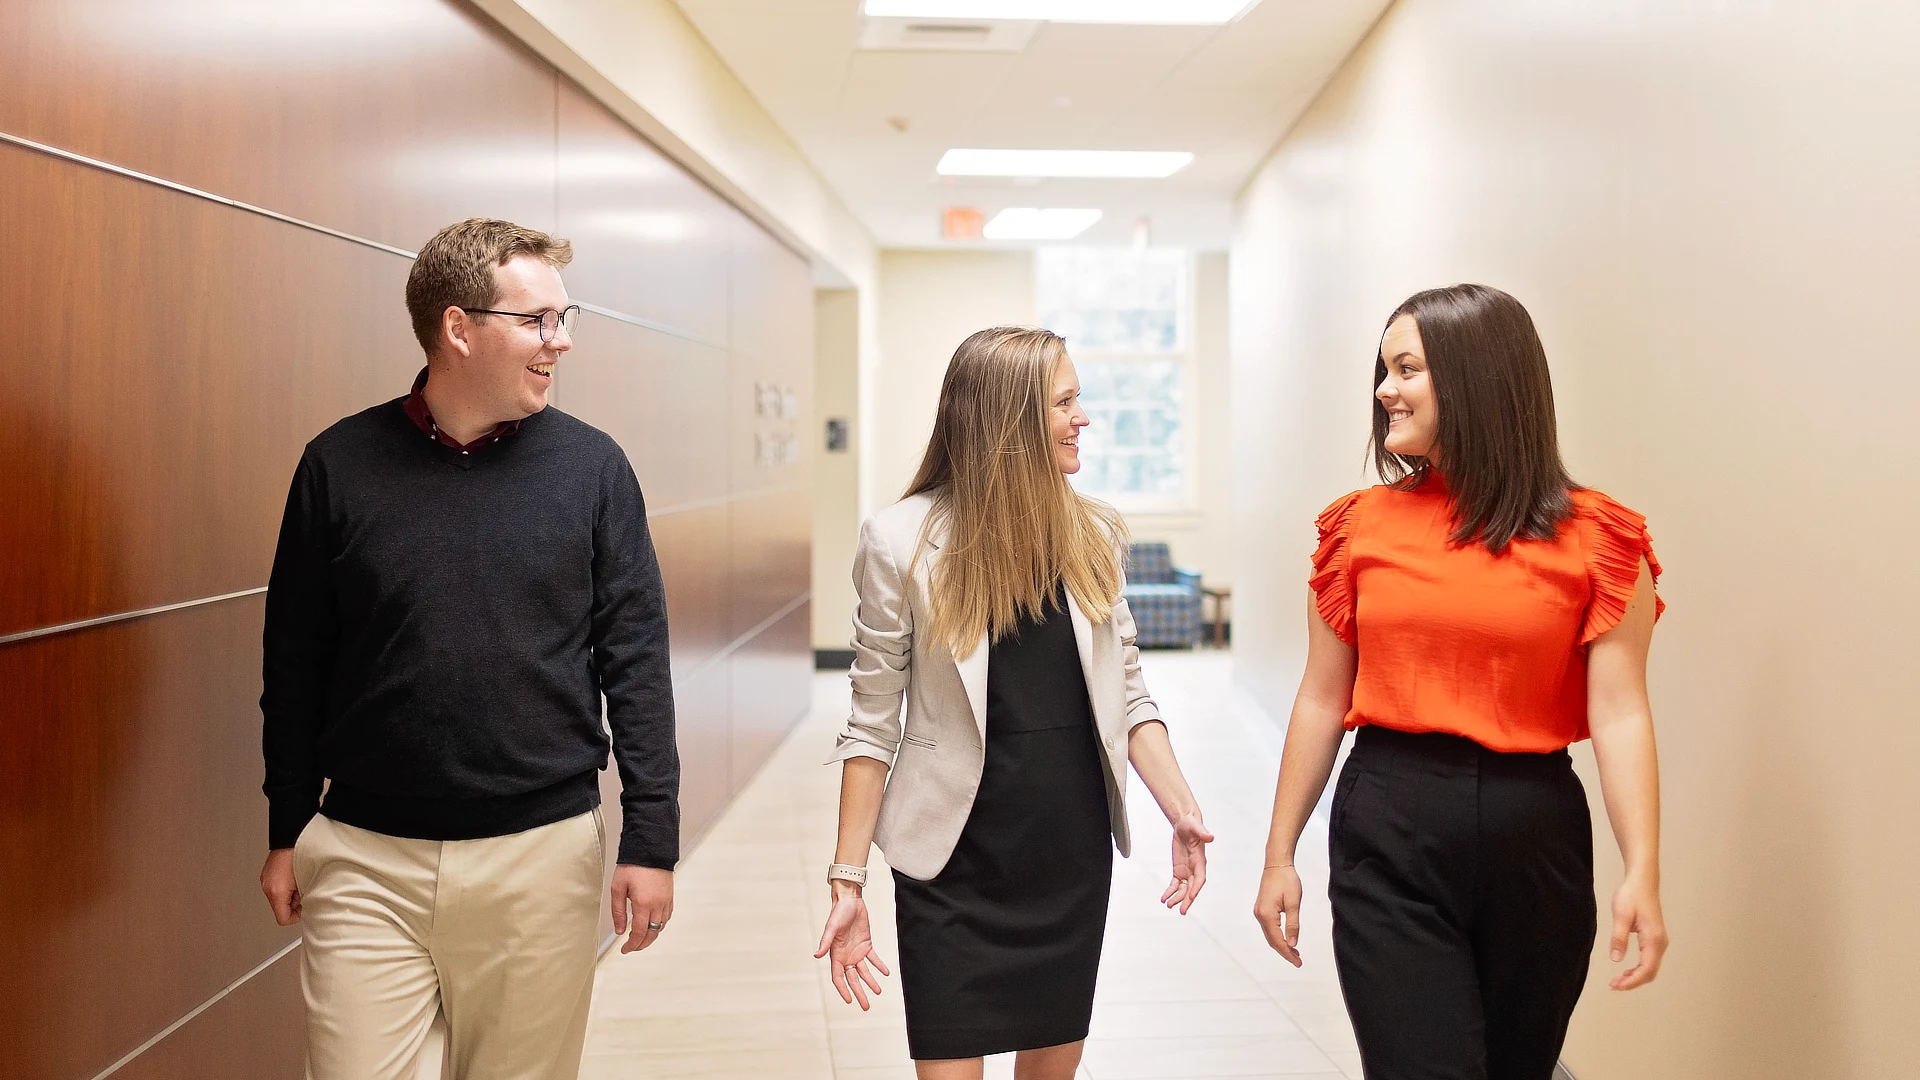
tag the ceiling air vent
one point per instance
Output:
(946, 35)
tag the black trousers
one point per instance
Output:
(1463, 908)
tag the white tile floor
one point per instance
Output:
(732, 989)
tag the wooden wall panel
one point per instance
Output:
(772, 380)
(182, 354)
(132, 827)
(693, 549)
(771, 538)
(703, 704)
(244, 1034)
(772, 689)
(659, 396)
(702, 709)
(757, 426)
(649, 239)
(772, 296)
(772, 390)
(383, 118)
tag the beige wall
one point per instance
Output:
(931, 300)
(836, 476)
(1710, 210)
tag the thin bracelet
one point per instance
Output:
(1275, 865)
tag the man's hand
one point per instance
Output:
(276, 880)
(649, 894)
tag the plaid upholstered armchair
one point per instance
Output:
(1165, 600)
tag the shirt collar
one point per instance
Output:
(422, 417)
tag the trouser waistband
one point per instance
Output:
(1448, 752)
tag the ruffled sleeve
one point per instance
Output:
(1615, 539)
(1331, 582)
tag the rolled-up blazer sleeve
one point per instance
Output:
(882, 652)
(1140, 704)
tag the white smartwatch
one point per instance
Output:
(846, 872)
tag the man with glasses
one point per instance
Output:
(462, 574)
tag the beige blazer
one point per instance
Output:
(925, 715)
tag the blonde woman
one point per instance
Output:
(990, 610)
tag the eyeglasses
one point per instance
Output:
(550, 320)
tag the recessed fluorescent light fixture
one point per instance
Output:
(1029, 223)
(1138, 164)
(1146, 12)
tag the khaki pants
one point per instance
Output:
(498, 935)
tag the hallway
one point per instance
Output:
(782, 220)
(732, 990)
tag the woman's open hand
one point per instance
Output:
(1190, 840)
(1636, 913)
(849, 938)
(1277, 909)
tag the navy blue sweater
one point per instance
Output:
(441, 626)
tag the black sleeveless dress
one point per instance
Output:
(1000, 951)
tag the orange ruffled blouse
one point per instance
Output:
(1454, 638)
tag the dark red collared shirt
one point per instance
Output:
(422, 417)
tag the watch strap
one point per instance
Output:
(847, 872)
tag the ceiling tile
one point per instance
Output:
(1227, 93)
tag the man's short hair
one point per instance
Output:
(455, 269)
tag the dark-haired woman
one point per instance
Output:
(1472, 616)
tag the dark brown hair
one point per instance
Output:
(455, 269)
(1498, 442)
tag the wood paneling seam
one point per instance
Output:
(721, 500)
(122, 616)
(196, 1011)
(132, 174)
(649, 324)
(198, 193)
(738, 643)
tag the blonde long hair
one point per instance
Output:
(1014, 527)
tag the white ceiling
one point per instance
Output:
(1227, 93)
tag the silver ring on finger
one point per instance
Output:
(656, 926)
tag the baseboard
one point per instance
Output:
(832, 659)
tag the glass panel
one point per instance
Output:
(1124, 315)
(1114, 299)
(1135, 445)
